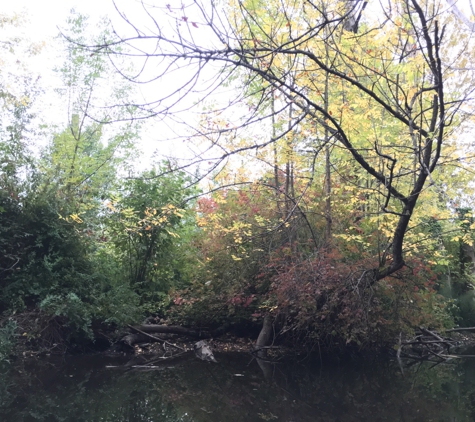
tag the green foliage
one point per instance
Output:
(73, 308)
(56, 270)
(87, 263)
(52, 258)
(147, 229)
(49, 260)
(7, 339)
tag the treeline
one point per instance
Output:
(332, 234)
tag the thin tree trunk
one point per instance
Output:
(276, 159)
(328, 182)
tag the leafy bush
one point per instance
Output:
(147, 227)
(73, 308)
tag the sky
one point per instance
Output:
(42, 22)
(46, 15)
(44, 19)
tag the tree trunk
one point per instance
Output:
(264, 338)
(328, 182)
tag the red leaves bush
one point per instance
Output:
(325, 299)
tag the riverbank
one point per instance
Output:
(36, 334)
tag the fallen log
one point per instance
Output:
(178, 329)
(454, 330)
(172, 329)
(131, 339)
(144, 333)
(154, 338)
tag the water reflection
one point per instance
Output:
(236, 389)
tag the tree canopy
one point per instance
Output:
(386, 87)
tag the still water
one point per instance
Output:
(235, 389)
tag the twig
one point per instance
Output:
(160, 358)
(425, 342)
(265, 348)
(8, 269)
(460, 356)
(398, 354)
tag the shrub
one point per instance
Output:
(7, 339)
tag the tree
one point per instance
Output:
(48, 265)
(84, 159)
(398, 84)
(17, 94)
(146, 231)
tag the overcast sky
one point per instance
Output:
(46, 15)
(43, 19)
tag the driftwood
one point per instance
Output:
(147, 333)
(201, 348)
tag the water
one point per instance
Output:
(235, 389)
